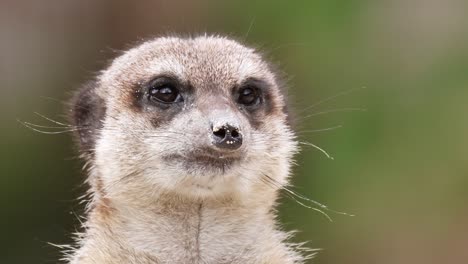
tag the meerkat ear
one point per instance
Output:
(87, 115)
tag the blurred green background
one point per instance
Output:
(401, 166)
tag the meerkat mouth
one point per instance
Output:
(217, 161)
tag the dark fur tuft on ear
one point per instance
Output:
(87, 114)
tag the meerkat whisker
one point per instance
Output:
(51, 120)
(316, 147)
(293, 196)
(300, 196)
(50, 127)
(349, 109)
(320, 129)
(28, 125)
(320, 102)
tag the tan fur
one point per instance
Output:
(148, 210)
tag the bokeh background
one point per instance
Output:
(401, 166)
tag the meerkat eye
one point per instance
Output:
(248, 96)
(164, 93)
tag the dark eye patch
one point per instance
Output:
(252, 94)
(161, 98)
(254, 97)
(249, 96)
(163, 91)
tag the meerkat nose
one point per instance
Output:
(227, 136)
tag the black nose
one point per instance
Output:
(227, 137)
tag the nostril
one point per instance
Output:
(220, 132)
(234, 133)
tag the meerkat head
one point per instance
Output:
(200, 116)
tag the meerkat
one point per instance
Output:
(183, 138)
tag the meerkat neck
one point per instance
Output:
(179, 230)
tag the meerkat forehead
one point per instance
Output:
(205, 62)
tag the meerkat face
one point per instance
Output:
(201, 116)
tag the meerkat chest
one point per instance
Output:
(200, 236)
